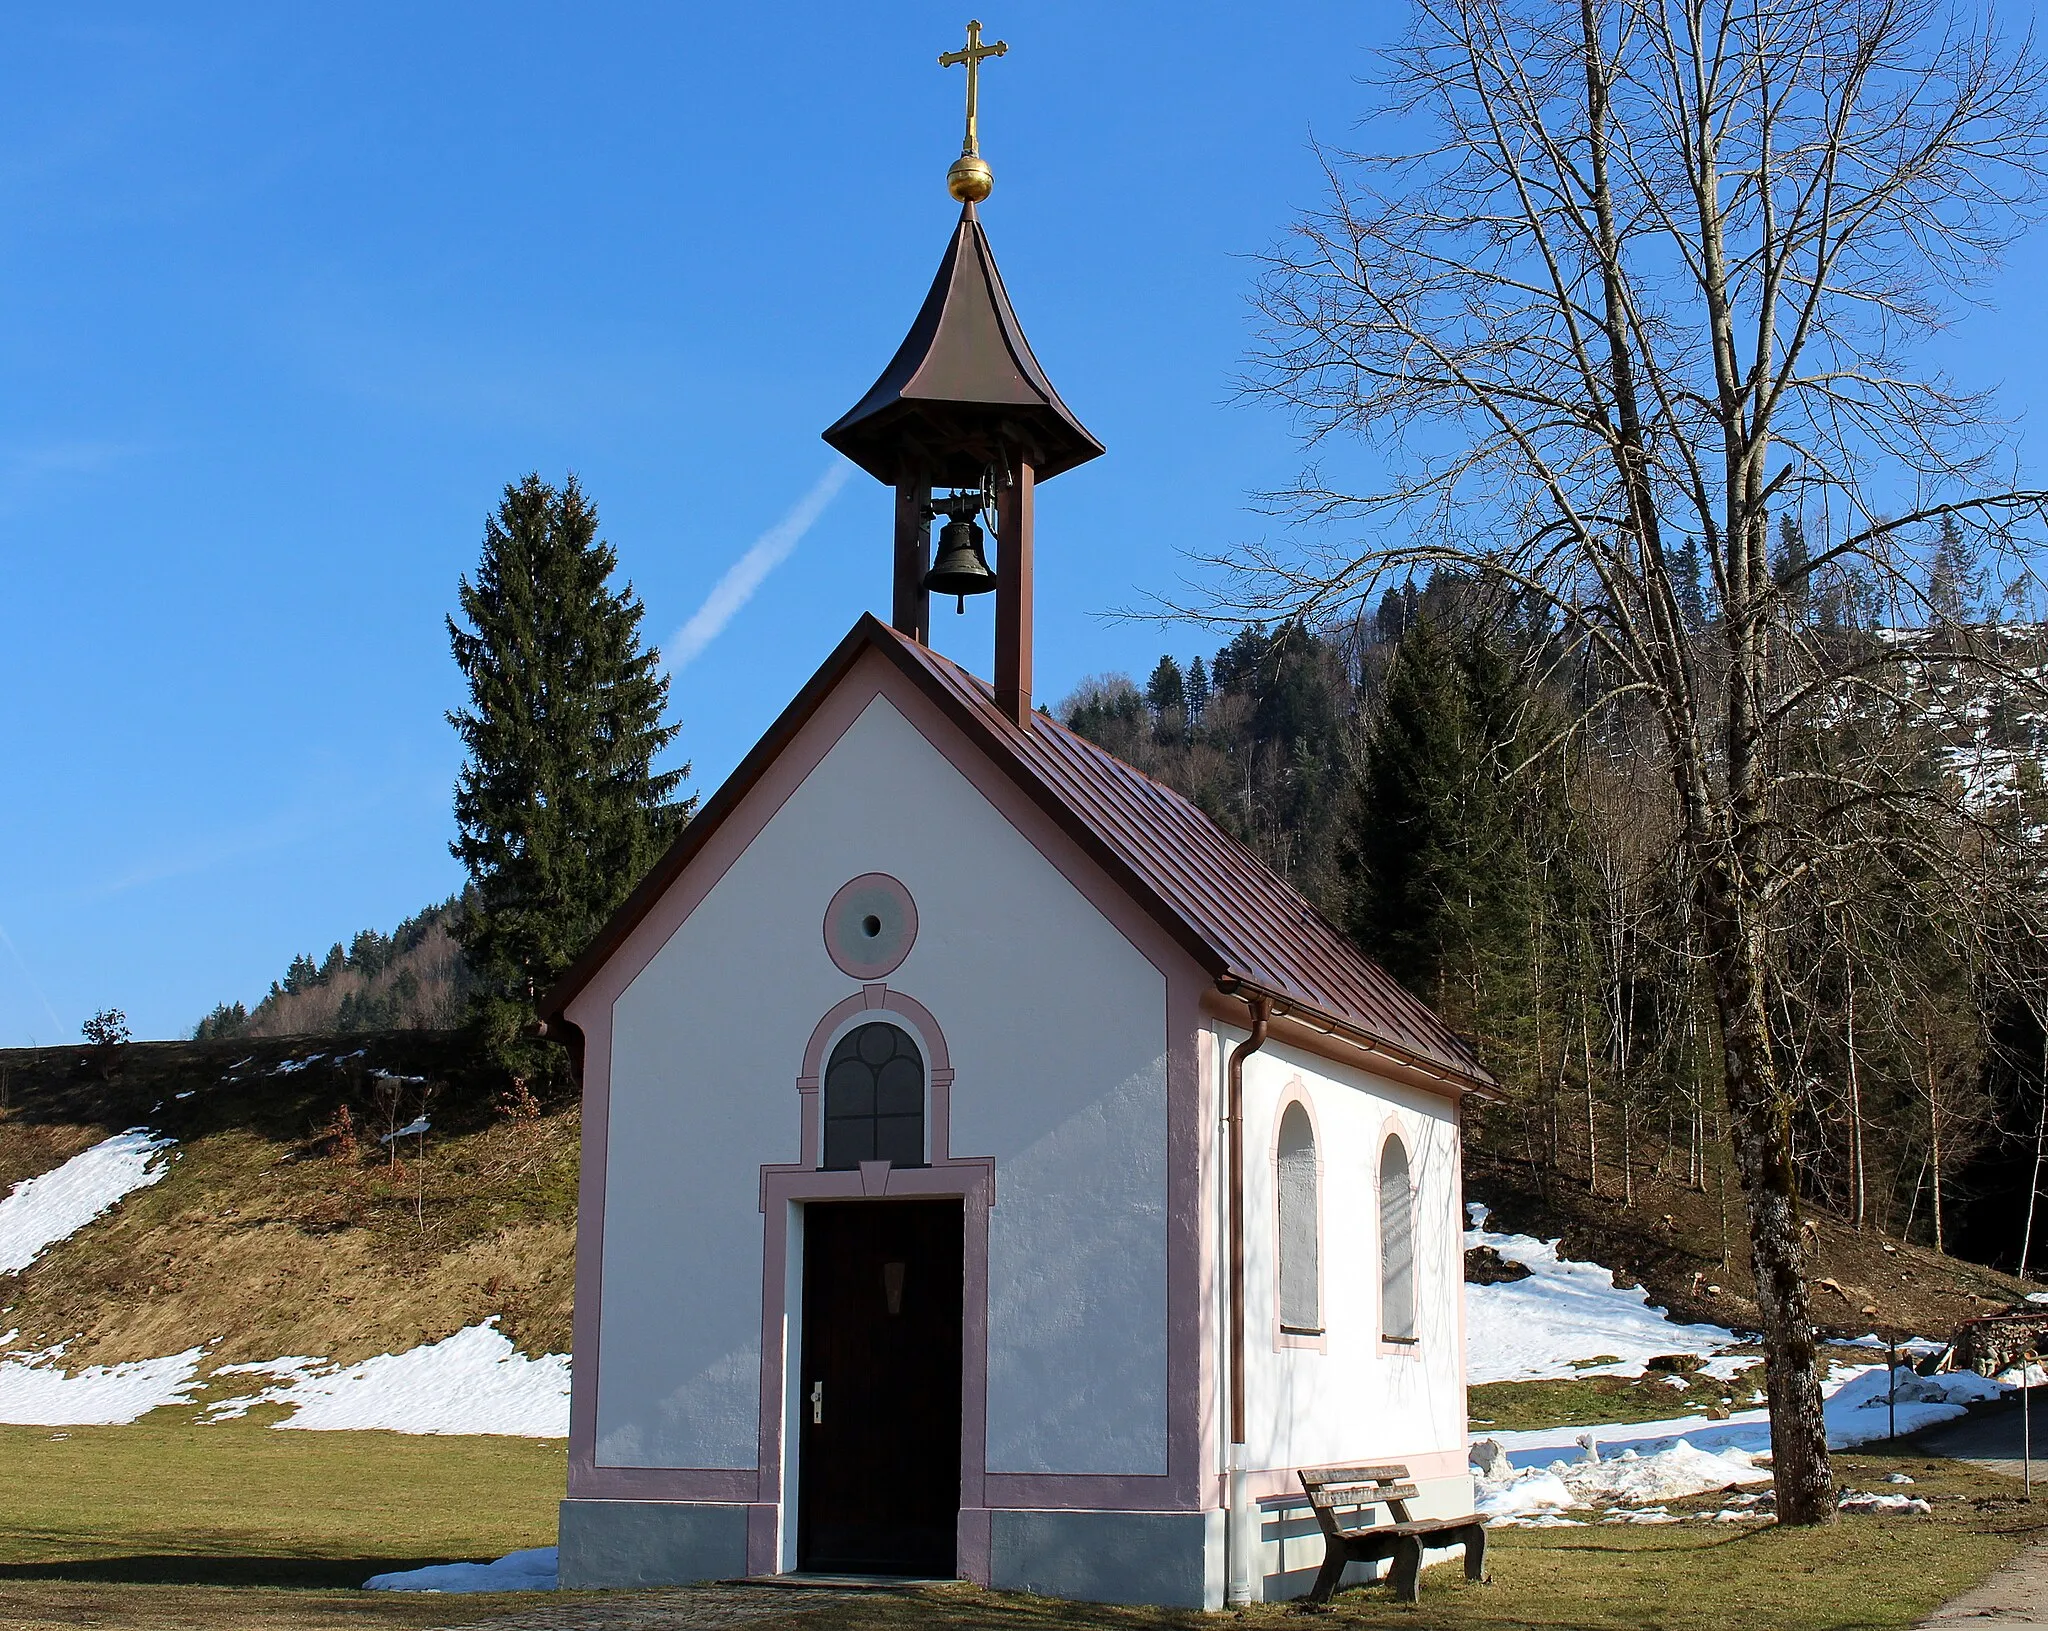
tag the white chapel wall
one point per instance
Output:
(1057, 1031)
(1350, 1398)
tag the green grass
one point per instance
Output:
(237, 1525)
(1570, 1401)
(170, 1527)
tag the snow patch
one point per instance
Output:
(473, 1382)
(35, 1392)
(1857, 1500)
(41, 1211)
(1632, 1476)
(1857, 1412)
(1564, 1313)
(531, 1570)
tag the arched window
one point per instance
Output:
(1301, 1312)
(874, 1099)
(1397, 1245)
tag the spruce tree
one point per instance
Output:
(559, 809)
(1439, 871)
(1404, 852)
(1198, 692)
(1166, 695)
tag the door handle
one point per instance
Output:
(817, 1404)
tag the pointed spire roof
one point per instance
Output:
(962, 384)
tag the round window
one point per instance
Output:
(870, 926)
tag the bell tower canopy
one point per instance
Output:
(963, 391)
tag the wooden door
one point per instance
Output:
(879, 1470)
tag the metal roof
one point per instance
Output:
(1243, 924)
(963, 387)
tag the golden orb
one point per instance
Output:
(970, 180)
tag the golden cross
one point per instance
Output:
(971, 54)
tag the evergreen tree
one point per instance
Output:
(1237, 665)
(1166, 690)
(559, 808)
(1166, 694)
(1687, 571)
(1792, 567)
(1198, 692)
(1438, 875)
(1954, 581)
(227, 1019)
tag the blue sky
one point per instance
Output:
(288, 294)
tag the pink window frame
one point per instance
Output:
(1317, 1341)
(1391, 1132)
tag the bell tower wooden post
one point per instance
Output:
(1014, 506)
(911, 604)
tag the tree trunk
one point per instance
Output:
(1855, 1096)
(1934, 1143)
(2034, 1181)
(1761, 1115)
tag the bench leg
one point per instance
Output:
(1334, 1559)
(1406, 1577)
(1475, 1552)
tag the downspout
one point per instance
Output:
(1239, 1537)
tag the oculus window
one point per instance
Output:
(874, 1099)
(1397, 1245)
(1301, 1312)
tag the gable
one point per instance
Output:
(1252, 935)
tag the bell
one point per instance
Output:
(961, 570)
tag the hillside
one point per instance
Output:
(1689, 1249)
(414, 978)
(272, 1234)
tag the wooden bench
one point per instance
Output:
(1344, 1498)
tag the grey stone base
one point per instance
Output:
(608, 1544)
(1174, 1559)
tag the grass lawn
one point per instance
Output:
(236, 1527)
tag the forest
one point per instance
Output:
(1452, 785)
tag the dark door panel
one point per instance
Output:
(879, 1474)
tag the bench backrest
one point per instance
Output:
(1333, 1491)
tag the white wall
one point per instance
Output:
(1351, 1401)
(1057, 1030)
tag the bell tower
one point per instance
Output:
(964, 424)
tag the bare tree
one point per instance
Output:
(1645, 276)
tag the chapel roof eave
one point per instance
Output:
(964, 390)
(1248, 932)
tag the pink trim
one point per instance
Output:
(1184, 1485)
(973, 1543)
(591, 1011)
(1209, 1251)
(973, 1180)
(877, 999)
(726, 1485)
(1458, 1255)
(1296, 1092)
(878, 967)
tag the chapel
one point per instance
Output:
(991, 1170)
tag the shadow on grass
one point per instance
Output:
(172, 1569)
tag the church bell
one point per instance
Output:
(961, 569)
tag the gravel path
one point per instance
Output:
(2016, 1596)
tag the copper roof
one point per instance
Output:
(962, 385)
(1246, 927)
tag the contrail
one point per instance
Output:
(22, 963)
(744, 576)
